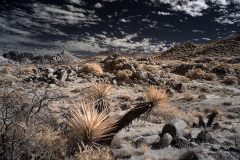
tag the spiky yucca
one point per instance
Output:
(90, 125)
(155, 96)
(99, 93)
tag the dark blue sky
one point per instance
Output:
(82, 26)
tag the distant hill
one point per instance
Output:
(228, 46)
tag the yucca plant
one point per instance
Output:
(153, 98)
(99, 93)
(90, 125)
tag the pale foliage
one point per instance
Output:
(155, 96)
(100, 90)
(92, 68)
(90, 125)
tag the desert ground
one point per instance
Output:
(181, 104)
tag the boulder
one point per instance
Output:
(148, 140)
(175, 128)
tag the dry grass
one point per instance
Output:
(8, 78)
(25, 70)
(124, 74)
(6, 69)
(155, 96)
(229, 80)
(213, 109)
(189, 96)
(143, 148)
(99, 153)
(169, 113)
(92, 68)
(90, 125)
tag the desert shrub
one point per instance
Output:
(92, 68)
(124, 74)
(121, 60)
(99, 93)
(210, 76)
(135, 64)
(229, 80)
(149, 68)
(200, 74)
(89, 125)
(195, 74)
(25, 133)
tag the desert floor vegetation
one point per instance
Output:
(119, 107)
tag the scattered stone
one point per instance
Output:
(216, 126)
(128, 81)
(170, 92)
(180, 87)
(125, 106)
(63, 76)
(148, 140)
(234, 137)
(165, 140)
(52, 85)
(204, 136)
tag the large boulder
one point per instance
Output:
(175, 128)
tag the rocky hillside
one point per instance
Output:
(229, 46)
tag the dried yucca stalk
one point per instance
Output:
(90, 125)
(99, 93)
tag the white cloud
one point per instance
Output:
(124, 20)
(220, 2)
(197, 31)
(98, 5)
(79, 2)
(164, 13)
(109, 0)
(207, 39)
(193, 8)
